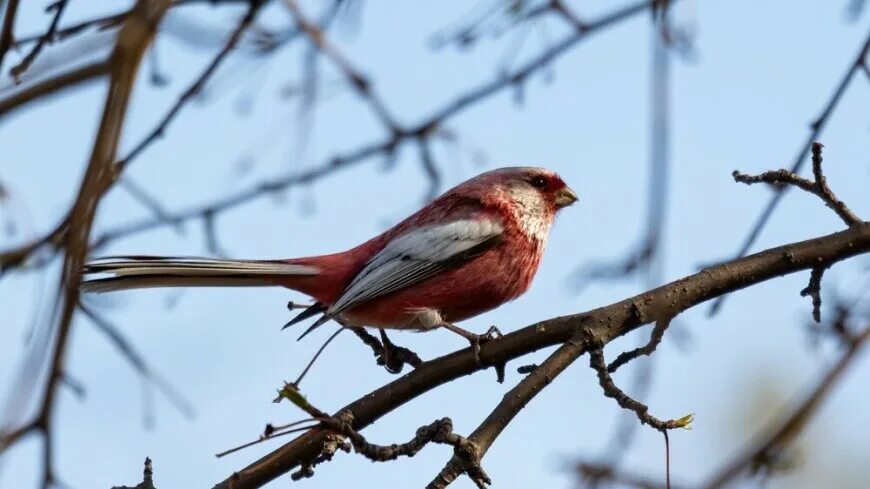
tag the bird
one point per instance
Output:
(470, 250)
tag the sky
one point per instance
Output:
(759, 74)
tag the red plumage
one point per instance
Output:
(470, 250)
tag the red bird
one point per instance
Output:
(472, 249)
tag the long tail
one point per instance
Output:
(137, 272)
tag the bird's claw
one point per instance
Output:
(393, 357)
(479, 339)
(389, 357)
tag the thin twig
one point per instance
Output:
(137, 360)
(354, 77)
(132, 41)
(58, 6)
(818, 186)
(595, 473)
(261, 439)
(656, 336)
(815, 130)
(54, 84)
(439, 431)
(316, 355)
(7, 36)
(147, 478)
(641, 410)
(814, 290)
(18, 257)
(197, 86)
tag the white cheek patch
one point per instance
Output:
(531, 212)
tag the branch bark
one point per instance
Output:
(605, 323)
(133, 40)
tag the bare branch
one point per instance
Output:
(766, 448)
(58, 6)
(512, 403)
(132, 41)
(6, 32)
(356, 79)
(54, 84)
(597, 362)
(18, 256)
(605, 323)
(815, 130)
(137, 360)
(658, 333)
(597, 473)
(197, 86)
(818, 186)
(814, 290)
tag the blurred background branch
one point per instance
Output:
(196, 51)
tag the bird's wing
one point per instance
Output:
(417, 255)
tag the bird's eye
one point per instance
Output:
(538, 182)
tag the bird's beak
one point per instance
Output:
(565, 197)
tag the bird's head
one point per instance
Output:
(531, 188)
(532, 196)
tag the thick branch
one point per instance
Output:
(132, 41)
(605, 323)
(512, 403)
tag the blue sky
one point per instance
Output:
(763, 71)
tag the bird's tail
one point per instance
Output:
(137, 272)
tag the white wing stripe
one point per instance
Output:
(415, 256)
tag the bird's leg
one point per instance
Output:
(391, 355)
(475, 339)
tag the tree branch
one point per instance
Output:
(512, 403)
(386, 146)
(815, 130)
(54, 84)
(58, 6)
(196, 87)
(818, 186)
(354, 77)
(6, 32)
(605, 323)
(765, 449)
(132, 41)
